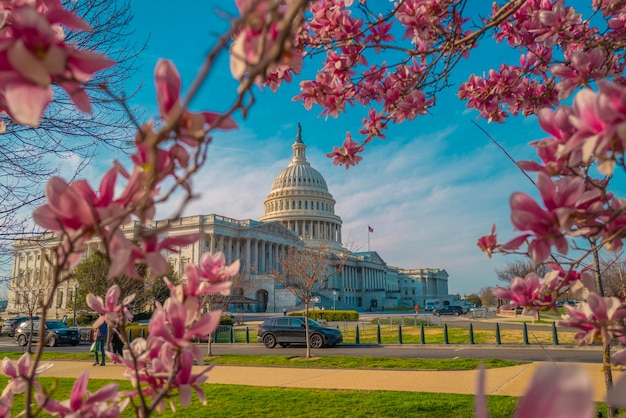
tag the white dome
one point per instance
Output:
(300, 200)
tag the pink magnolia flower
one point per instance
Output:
(36, 56)
(153, 248)
(489, 242)
(555, 391)
(168, 86)
(109, 309)
(20, 373)
(526, 292)
(6, 403)
(584, 65)
(103, 403)
(597, 316)
(347, 153)
(176, 324)
(526, 215)
(213, 268)
(66, 208)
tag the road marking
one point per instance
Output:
(459, 349)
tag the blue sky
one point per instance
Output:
(429, 191)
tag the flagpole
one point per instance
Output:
(368, 238)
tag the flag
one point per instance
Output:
(370, 229)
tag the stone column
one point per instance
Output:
(262, 258)
(248, 251)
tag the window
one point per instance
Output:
(296, 322)
(59, 298)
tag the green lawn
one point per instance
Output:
(337, 362)
(249, 401)
(353, 362)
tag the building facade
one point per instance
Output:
(299, 212)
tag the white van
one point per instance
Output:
(430, 304)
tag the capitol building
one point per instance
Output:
(299, 212)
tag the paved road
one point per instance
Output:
(506, 352)
(532, 352)
(515, 353)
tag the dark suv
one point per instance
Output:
(448, 310)
(286, 330)
(55, 332)
(10, 325)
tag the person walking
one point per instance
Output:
(100, 336)
(284, 311)
(64, 320)
(117, 345)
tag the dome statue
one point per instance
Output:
(300, 200)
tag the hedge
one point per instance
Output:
(329, 315)
(136, 330)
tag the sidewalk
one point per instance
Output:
(507, 381)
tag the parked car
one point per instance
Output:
(55, 332)
(286, 330)
(10, 325)
(448, 310)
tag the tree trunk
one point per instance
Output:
(608, 377)
(306, 328)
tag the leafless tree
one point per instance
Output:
(304, 272)
(613, 267)
(219, 302)
(27, 293)
(68, 137)
(487, 297)
(520, 268)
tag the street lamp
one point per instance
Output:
(75, 300)
(334, 297)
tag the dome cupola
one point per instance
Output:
(300, 200)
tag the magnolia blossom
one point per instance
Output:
(20, 373)
(192, 125)
(35, 56)
(103, 403)
(527, 292)
(347, 154)
(554, 391)
(597, 316)
(109, 309)
(489, 242)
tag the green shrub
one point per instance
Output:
(136, 331)
(330, 315)
(227, 320)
